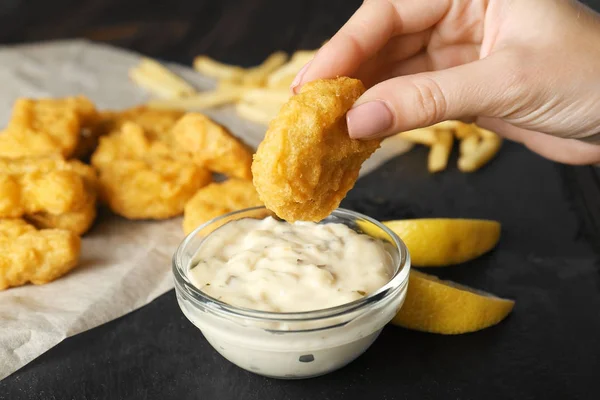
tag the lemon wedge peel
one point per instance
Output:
(439, 242)
(437, 306)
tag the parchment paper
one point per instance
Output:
(124, 264)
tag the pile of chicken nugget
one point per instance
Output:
(60, 159)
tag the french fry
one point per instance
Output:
(166, 77)
(446, 125)
(150, 84)
(200, 101)
(214, 69)
(303, 56)
(440, 151)
(284, 75)
(469, 137)
(298, 60)
(469, 143)
(225, 84)
(488, 147)
(269, 108)
(486, 135)
(426, 136)
(270, 96)
(462, 130)
(255, 113)
(257, 76)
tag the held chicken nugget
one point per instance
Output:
(36, 256)
(51, 185)
(307, 162)
(213, 146)
(46, 126)
(217, 199)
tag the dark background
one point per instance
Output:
(548, 258)
(242, 31)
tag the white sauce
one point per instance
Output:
(275, 266)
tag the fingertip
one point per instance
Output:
(369, 120)
(296, 83)
(320, 67)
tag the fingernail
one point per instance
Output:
(369, 119)
(299, 76)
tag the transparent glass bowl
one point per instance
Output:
(297, 344)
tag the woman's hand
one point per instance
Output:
(527, 69)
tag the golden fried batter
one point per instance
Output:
(217, 199)
(213, 146)
(29, 255)
(44, 185)
(141, 178)
(46, 126)
(155, 123)
(307, 162)
(150, 188)
(78, 221)
(131, 142)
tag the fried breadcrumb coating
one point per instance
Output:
(47, 127)
(217, 199)
(142, 178)
(78, 221)
(156, 123)
(307, 162)
(213, 146)
(152, 188)
(36, 256)
(44, 185)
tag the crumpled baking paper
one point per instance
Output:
(124, 264)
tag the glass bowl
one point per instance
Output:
(292, 345)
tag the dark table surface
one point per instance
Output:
(548, 258)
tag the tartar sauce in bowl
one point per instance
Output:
(291, 300)
(276, 266)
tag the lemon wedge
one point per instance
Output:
(437, 306)
(437, 242)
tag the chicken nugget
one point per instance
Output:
(36, 256)
(46, 126)
(307, 162)
(142, 178)
(152, 187)
(156, 123)
(217, 199)
(43, 185)
(78, 221)
(131, 142)
(213, 146)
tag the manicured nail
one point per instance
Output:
(369, 120)
(299, 76)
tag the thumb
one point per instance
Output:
(486, 87)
